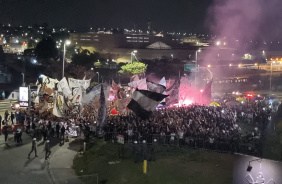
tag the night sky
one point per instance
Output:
(167, 15)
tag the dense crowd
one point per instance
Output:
(176, 124)
(205, 122)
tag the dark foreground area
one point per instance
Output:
(172, 165)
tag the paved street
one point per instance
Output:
(15, 167)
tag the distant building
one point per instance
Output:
(104, 41)
(120, 46)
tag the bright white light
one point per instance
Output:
(41, 76)
(185, 102)
(135, 51)
(34, 61)
(17, 41)
(218, 43)
(67, 42)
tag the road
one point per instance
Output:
(15, 167)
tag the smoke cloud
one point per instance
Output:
(243, 25)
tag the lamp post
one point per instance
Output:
(67, 42)
(133, 54)
(98, 77)
(197, 68)
(23, 78)
(270, 76)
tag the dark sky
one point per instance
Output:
(167, 15)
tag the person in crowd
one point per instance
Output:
(47, 150)
(3, 95)
(44, 132)
(18, 136)
(33, 128)
(6, 115)
(33, 148)
(27, 124)
(136, 151)
(154, 149)
(144, 150)
(12, 117)
(5, 132)
(58, 130)
(62, 135)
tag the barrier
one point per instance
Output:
(188, 141)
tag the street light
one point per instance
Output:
(171, 57)
(23, 78)
(98, 77)
(270, 75)
(67, 42)
(196, 66)
(133, 53)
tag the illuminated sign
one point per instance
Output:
(23, 96)
(23, 104)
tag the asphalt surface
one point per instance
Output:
(15, 167)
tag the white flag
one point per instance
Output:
(94, 93)
(63, 87)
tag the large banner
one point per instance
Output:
(46, 93)
(49, 82)
(63, 87)
(75, 84)
(173, 92)
(93, 94)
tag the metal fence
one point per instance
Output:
(250, 148)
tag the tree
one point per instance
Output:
(85, 58)
(31, 44)
(134, 68)
(46, 50)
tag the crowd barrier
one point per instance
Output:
(251, 148)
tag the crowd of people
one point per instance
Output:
(179, 124)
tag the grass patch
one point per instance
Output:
(173, 165)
